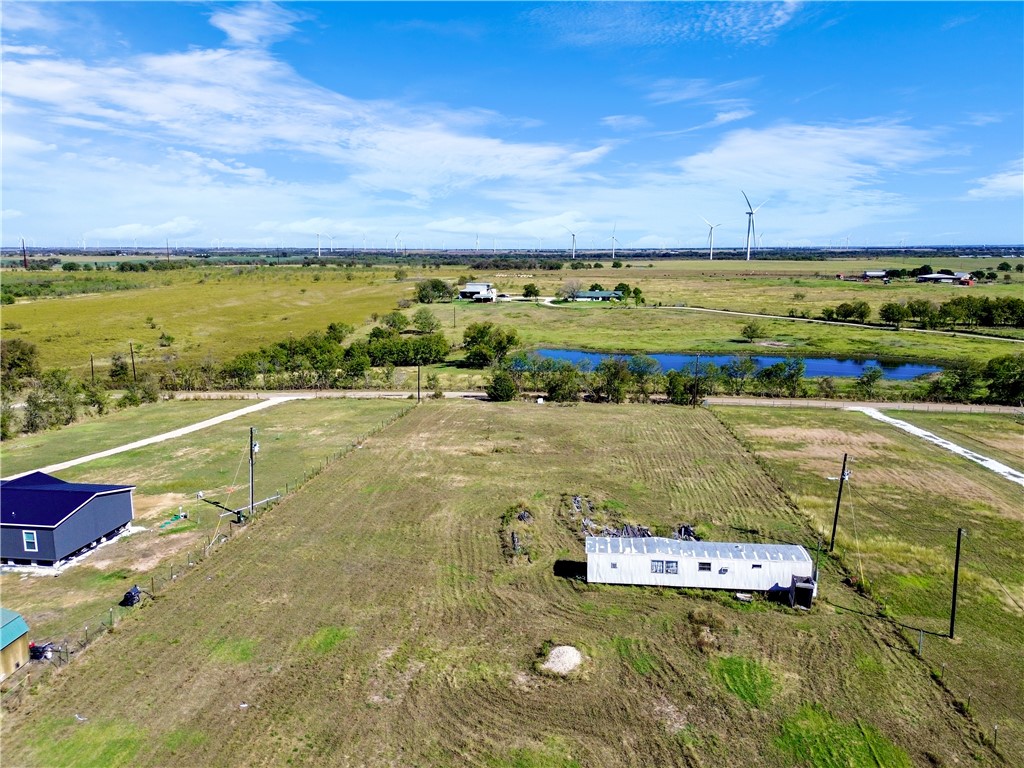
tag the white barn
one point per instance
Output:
(656, 561)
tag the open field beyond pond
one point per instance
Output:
(376, 617)
(214, 313)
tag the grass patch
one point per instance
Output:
(90, 744)
(553, 754)
(748, 679)
(237, 650)
(325, 639)
(630, 651)
(183, 738)
(814, 737)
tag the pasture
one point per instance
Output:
(214, 313)
(897, 531)
(376, 617)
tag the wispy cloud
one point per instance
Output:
(649, 24)
(1006, 183)
(957, 21)
(981, 119)
(19, 17)
(673, 90)
(256, 24)
(625, 122)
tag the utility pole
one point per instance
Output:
(253, 449)
(417, 382)
(131, 350)
(92, 368)
(839, 498)
(696, 382)
(956, 579)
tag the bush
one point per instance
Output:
(502, 387)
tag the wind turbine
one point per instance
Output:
(318, 245)
(573, 239)
(711, 238)
(750, 220)
(396, 241)
(614, 241)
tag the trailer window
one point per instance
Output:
(29, 537)
(615, 565)
(672, 566)
(703, 566)
(756, 565)
(657, 566)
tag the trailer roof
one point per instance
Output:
(655, 545)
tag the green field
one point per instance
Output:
(296, 438)
(898, 523)
(377, 616)
(214, 313)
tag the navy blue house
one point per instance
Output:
(45, 520)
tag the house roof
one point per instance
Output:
(599, 295)
(12, 626)
(39, 500)
(718, 550)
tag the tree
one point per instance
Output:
(624, 289)
(894, 313)
(564, 382)
(596, 287)
(1004, 266)
(19, 360)
(502, 388)
(1005, 376)
(396, 321)
(638, 297)
(645, 372)
(488, 339)
(531, 291)
(425, 321)
(571, 289)
(53, 402)
(612, 379)
(400, 275)
(958, 383)
(616, 264)
(434, 289)
(119, 370)
(736, 372)
(866, 385)
(753, 331)
(337, 332)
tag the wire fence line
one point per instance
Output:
(63, 646)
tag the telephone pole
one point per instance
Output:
(839, 498)
(956, 579)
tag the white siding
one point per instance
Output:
(700, 564)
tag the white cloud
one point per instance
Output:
(20, 17)
(179, 227)
(625, 122)
(11, 213)
(650, 24)
(1007, 183)
(701, 90)
(256, 24)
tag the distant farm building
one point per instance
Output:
(13, 642)
(45, 520)
(478, 292)
(599, 296)
(957, 278)
(874, 274)
(661, 562)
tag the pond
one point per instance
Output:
(815, 366)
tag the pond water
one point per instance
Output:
(815, 366)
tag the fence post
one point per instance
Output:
(86, 634)
(111, 617)
(995, 736)
(920, 642)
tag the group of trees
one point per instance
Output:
(617, 379)
(965, 310)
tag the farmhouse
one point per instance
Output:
(656, 561)
(598, 296)
(13, 642)
(45, 520)
(478, 292)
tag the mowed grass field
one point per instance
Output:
(375, 618)
(296, 439)
(898, 523)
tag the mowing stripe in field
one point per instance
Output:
(166, 435)
(992, 465)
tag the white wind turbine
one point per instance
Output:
(711, 238)
(614, 239)
(750, 221)
(573, 239)
(396, 241)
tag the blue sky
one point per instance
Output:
(512, 124)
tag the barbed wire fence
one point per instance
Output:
(61, 647)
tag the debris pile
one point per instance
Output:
(562, 660)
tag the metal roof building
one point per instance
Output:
(13, 641)
(656, 561)
(44, 520)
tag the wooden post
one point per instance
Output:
(131, 349)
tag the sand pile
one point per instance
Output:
(562, 660)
